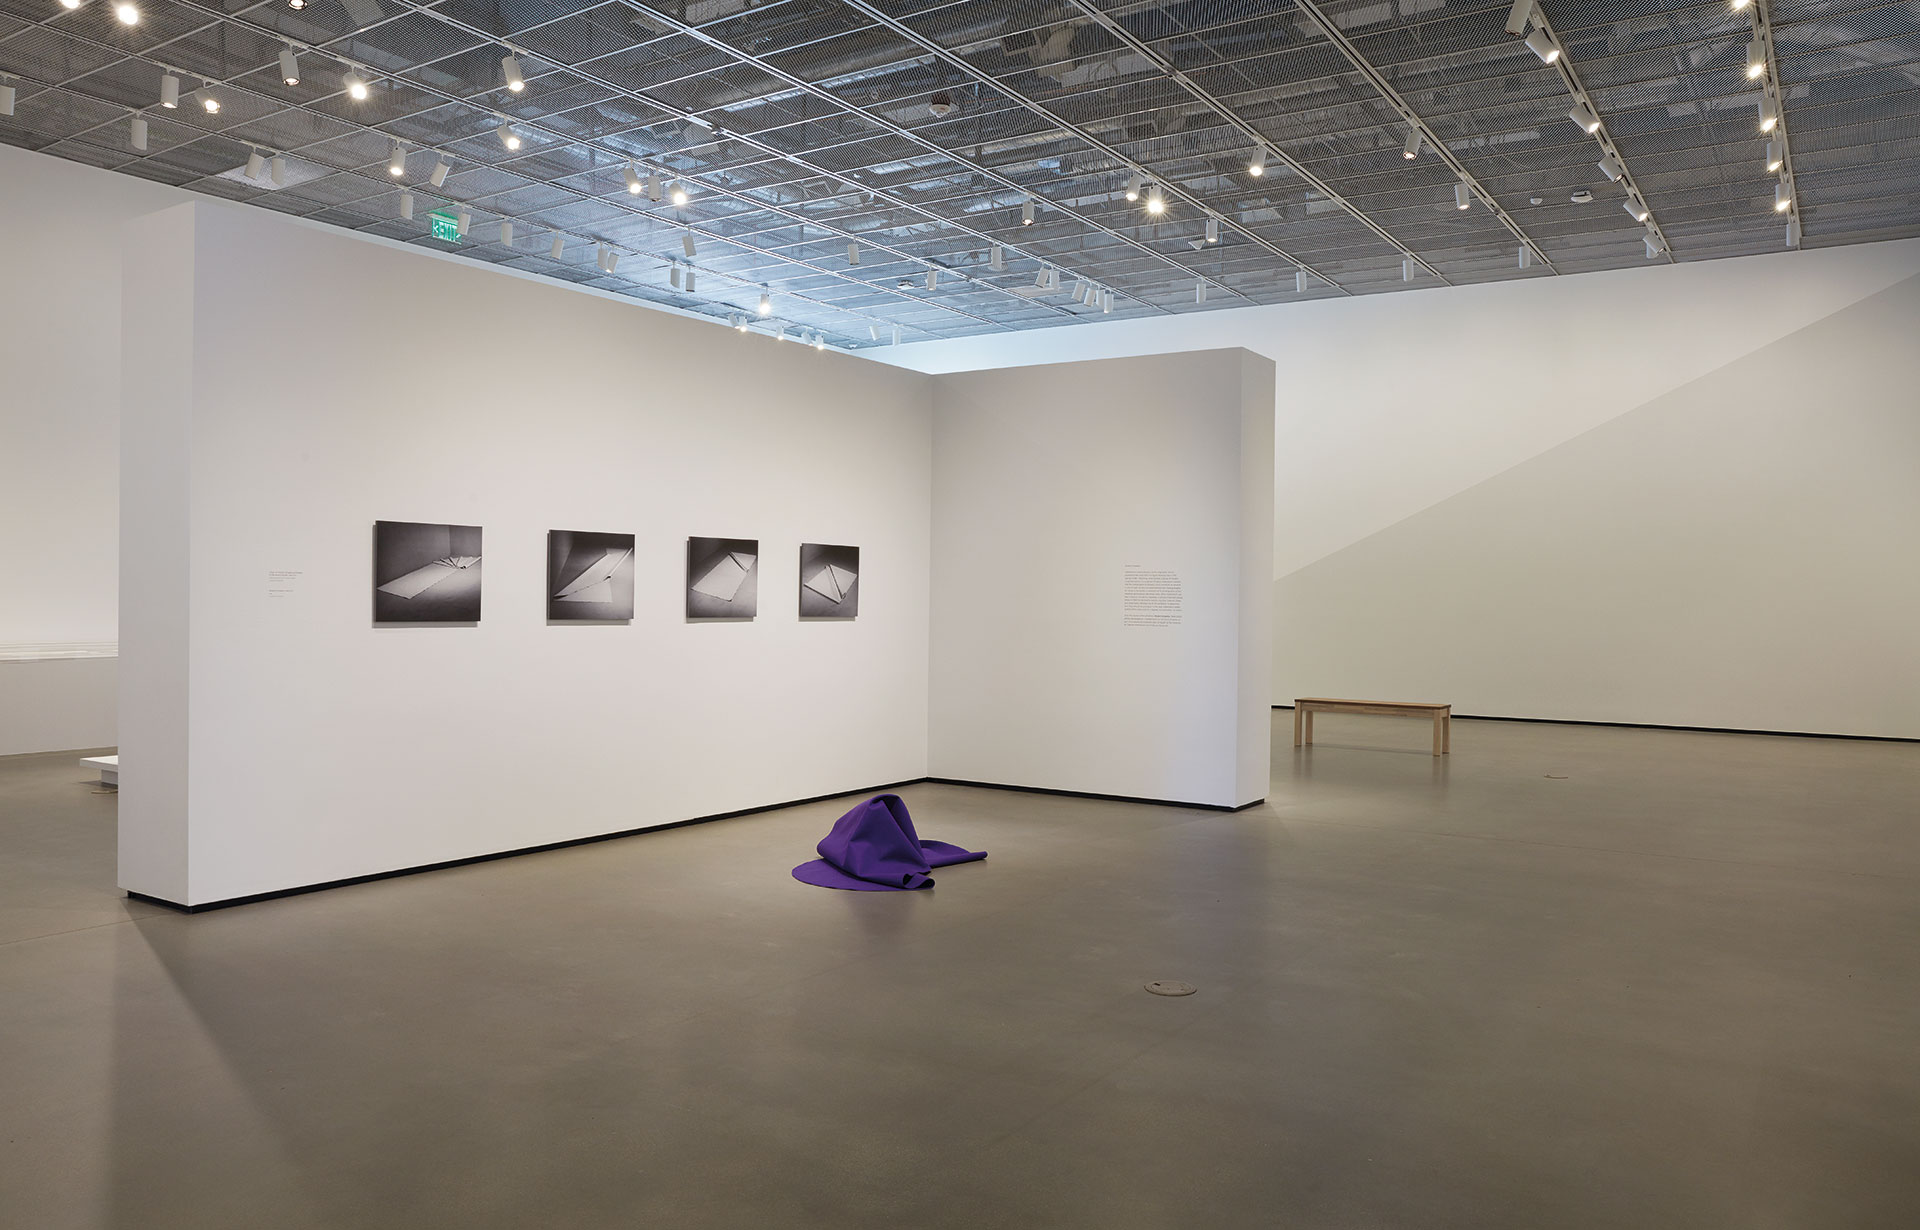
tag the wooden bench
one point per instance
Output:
(1442, 715)
(109, 767)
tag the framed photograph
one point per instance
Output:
(829, 581)
(425, 573)
(723, 578)
(589, 577)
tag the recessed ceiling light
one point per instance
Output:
(1582, 197)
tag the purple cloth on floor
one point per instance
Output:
(874, 849)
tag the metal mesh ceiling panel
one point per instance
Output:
(833, 153)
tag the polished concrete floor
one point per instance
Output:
(1568, 977)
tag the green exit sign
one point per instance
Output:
(445, 226)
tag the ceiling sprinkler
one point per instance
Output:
(941, 105)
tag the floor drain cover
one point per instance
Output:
(1172, 988)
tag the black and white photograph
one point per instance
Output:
(829, 581)
(425, 573)
(589, 577)
(723, 578)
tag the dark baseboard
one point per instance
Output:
(516, 853)
(1087, 794)
(1708, 730)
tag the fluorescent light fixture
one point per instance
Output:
(1134, 183)
(853, 254)
(997, 259)
(1782, 197)
(678, 193)
(256, 164)
(1213, 230)
(1583, 115)
(406, 205)
(688, 245)
(1635, 209)
(1611, 168)
(1462, 195)
(138, 126)
(508, 137)
(1775, 159)
(558, 251)
(506, 231)
(1257, 165)
(510, 73)
(1541, 44)
(1756, 60)
(1411, 149)
(1769, 114)
(127, 13)
(1519, 16)
(634, 185)
(170, 91)
(356, 86)
(440, 169)
(1156, 201)
(1406, 269)
(289, 66)
(1026, 212)
(397, 161)
(277, 171)
(766, 303)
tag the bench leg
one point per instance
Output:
(1436, 734)
(1296, 725)
(1446, 734)
(1309, 728)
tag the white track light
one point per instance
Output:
(1541, 44)
(1106, 301)
(440, 169)
(1300, 282)
(1583, 115)
(740, 323)
(506, 231)
(693, 279)
(1635, 209)
(127, 13)
(1134, 182)
(997, 259)
(138, 126)
(508, 137)
(1462, 195)
(634, 186)
(277, 171)
(688, 246)
(1611, 168)
(397, 161)
(461, 222)
(1199, 292)
(600, 256)
(356, 86)
(1740, 4)
(1156, 201)
(1026, 212)
(819, 341)
(1782, 197)
(678, 193)
(170, 91)
(1793, 232)
(933, 279)
(510, 73)
(673, 275)
(296, 5)
(1769, 115)
(558, 249)
(209, 101)
(653, 186)
(1213, 230)
(766, 303)
(853, 254)
(1756, 60)
(613, 260)
(69, 5)
(1406, 269)
(1040, 279)
(256, 164)
(1411, 149)
(289, 66)
(1257, 165)
(1518, 16)
(1775, 160)
(1526, 256)
(1653, 247)
(896, 335)
(406, 205)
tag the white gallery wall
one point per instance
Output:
(1101, 538)
(276, 741)
(59, 445)
(1768, 379)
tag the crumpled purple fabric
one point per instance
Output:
(874, 849)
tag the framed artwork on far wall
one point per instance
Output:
(589, 577)
(723, 578)
(425, 573)
(829, 581)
